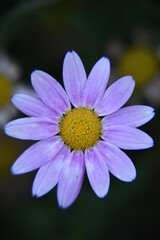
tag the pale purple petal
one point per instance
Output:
(96, 83)
(33, 106)
(31, 128)
(50, 91)
(116, 96)
(133, 116)
(118, 163)
(74, 77)
(37, 155)
(48, 175)
(70, 179)
(97, 171)
(127, 137)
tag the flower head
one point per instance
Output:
(85, 136)
(141, 63)
(10, 73)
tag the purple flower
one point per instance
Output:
(85, 136)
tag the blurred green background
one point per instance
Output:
(37, 35)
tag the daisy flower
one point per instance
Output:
(10, 73)
(141, 62)
(81, 128)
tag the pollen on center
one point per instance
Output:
(80, 128)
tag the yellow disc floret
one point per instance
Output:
(141, 63)
(5, 90)
(80, 128)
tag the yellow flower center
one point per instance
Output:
(80, 128)
(5, 90)
(141, 63)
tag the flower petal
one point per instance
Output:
(133, 116)
(127, 137)
(96, 83)
(31, 128)
(74, 77)
(33, 106)
(47, 176)
(119, 164)
(70, 179)
(116, 96)
(97, 171)
(37, 155)
(50, 91)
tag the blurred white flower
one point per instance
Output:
(10, 76)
